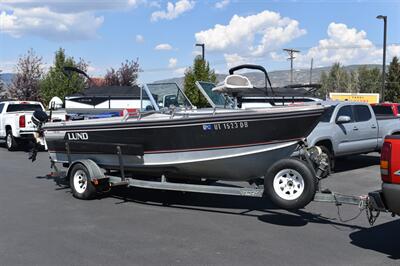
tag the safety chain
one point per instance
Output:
(371, 214)
(361, 206)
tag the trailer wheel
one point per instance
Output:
(290, 184)
(11, 142)
(80, 182)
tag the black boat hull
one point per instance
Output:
(237, 146)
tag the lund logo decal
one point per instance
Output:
(397, 172)
(77, 136)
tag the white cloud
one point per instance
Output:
(234, 60)
(163, 46)
(172, 62)
(139, 38)
(173, 11)
(347, 46)
(57, 19)
(7, 66)
(155, 4)
(45, 23)
(251, 36)
(180, 71)
(75, 6)
(91, 70)
(393, 50)
(222, 4)
(196, 53)
(134, 3)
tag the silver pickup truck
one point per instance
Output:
(349, 128)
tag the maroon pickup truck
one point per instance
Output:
(389, 197)
(386, 109)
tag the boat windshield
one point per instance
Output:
(213, 98)
(168, 95)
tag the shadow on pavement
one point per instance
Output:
(384, 238)
(188, 200)
(21, 148)
(60, 182)
(302, 218)
(223, 204)
(356, 162)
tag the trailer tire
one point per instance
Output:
(11, 142)
(80, 182)
(290, 184)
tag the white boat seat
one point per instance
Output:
(233, 85)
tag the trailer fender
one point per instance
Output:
(95, 172)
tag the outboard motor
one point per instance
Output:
(39, 118)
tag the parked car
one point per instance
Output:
(16, 126)
(388, 198)
(386, 109)
(349, 128)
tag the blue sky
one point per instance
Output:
(106, 32)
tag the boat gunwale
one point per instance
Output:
(182, 121)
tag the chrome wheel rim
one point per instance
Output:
(80, 181)
(288, 184)
(9, 141)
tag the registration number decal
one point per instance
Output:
(225, 126)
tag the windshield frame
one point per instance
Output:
(227, 104)
(153, 101)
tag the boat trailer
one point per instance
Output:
(371, 203)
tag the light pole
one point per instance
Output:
(384, 56)
(202, 49)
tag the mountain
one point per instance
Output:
(278, 78)
(7, 78)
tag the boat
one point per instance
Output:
(171, 137)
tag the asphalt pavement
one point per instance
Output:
(42, 224)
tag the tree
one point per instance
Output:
(324, 91)
(352, 85)
(369, 80)
(111, 77)
(200, 71)
(126, 75)
(58, 82)
(392, 88)
(2, 88)
(337, 80)
(25, 84)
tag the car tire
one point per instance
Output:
(81, 184)
(290, 184)
(331, 157)
(11, 142)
